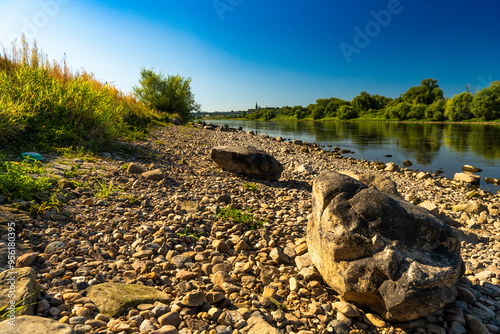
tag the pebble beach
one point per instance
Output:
(165, 224)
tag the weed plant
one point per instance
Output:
(22, 180)
(239, 217)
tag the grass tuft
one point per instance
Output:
(48, 104)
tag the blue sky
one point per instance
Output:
(276, 53)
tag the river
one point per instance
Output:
(429, 146)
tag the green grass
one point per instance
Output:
(105, 190)
(17, 307)
(194, 235)
(238, 217)
(250, 186)
(46, 105)
(17, 183)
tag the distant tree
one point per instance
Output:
(427, 93)
(486, 102)
(380, 101)
(458, 108)
(363, 102)
(417, 111)
(347, 112)
(169, 95)
(436, 110)
(300, 112)
(399, 111)
(333, 106)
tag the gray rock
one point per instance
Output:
(134, 168)
(392, 167)
(475, 208)
(277, 254)
(194, 299)
(456, 328)
(471, 169)
(35, 325)
(379, 252)
(247, 161)
(154, 175)
(256, 324)
(492, 180)
(53, 246)
(467, 178)
(113, 299)
(26, 287)
(380, 182)
(475, 325)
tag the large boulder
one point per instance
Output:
(380, 182)
(34, 325)
(113, 299)
(19, 285)
(380, 252)
(467, 178)
(247, 161)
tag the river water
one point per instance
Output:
(428, 146)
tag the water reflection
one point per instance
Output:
(428, 146)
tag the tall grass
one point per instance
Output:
(46, 104)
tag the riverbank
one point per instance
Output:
(355, 120)
(164, 229)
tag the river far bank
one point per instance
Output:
(225, 253)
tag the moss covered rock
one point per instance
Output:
(113, 299)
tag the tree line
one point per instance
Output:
(423, 102)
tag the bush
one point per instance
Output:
(486, 102)
(346, 112)
(458, 108)
(166, 95)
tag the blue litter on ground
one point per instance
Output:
(31, 156)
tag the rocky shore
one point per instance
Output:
(173, 244)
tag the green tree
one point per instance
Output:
(427, 93)
(347, 112)
(458, 108)
(363, 102)
(167, 95)
(399, 111)
(486, 102)
(333, 106)
(435, 111)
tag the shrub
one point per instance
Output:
(346, 112)
(48, 104)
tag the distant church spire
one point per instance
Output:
(256, 106)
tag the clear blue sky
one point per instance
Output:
(276, 53)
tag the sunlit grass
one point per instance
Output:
(48, 105)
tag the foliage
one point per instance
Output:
(347, 112)
(48, 104)
(400, 111)
(239, 217)
(167, 95)
(435, 111)
(22, 180)
(250, 186)
(427, 93)
(458, 108)
(423, 102)
(486, 102)
(105, 190)
(17, 307)
(194, 235)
